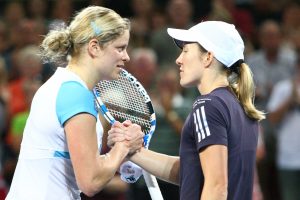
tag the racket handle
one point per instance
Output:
(152, 186)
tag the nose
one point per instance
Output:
(179, 60)
(126, 57)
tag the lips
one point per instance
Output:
(120, 66)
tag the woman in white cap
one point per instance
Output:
(60, 151)
(219, 138)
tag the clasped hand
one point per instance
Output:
(128, 133)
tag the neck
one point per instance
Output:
(85, 74)
(210, 83)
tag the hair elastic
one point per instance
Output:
(96, 29)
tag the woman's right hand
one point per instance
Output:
(130, 134)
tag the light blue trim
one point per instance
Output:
(96, 29)
(61, 154)
(74, 98)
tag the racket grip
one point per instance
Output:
(153, 186)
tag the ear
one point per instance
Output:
(93, 48)
(208, 59)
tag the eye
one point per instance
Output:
(122, 48)
(185, 48)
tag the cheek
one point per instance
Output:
(192, 74)
(110, 60)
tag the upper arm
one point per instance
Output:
(213, 160)
(211, 125)
(81, 136)
(76, 113)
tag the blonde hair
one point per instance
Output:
(243, 87)
(241, 83)
(97, 22)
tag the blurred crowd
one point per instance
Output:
(271, 32)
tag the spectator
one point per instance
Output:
(37, 10)
(271, 63)
(144, 60)
(62, 10)
(30, 67)
(284, 109)
(14, 12)
(179, 15)
(290, 23)
(242, 18)
(141, 22)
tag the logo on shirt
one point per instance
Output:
(200, 122)
(200, 101)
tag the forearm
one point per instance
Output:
(214, 192)
(96, 178)
(109, 164)
(160, 165)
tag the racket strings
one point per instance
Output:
(124, 101)
(123, 94)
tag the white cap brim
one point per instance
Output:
(180, 36)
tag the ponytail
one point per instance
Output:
(243, 87)
(55, 46)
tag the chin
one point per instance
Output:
(186, 84)
(115, 74)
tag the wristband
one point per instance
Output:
(130, 172)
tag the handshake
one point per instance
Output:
(129, 171)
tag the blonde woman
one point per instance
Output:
(219, 138)
(59, 154)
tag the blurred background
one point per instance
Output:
(271, 32)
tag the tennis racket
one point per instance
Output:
(126, 99)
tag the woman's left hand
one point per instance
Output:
(131, 133)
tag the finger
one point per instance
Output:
(111, 140)
(127, 123)
(117, 124)
(116, 138)
(116, 130)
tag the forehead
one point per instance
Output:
(191, 45)
(123, 39)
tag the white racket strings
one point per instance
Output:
(124, 101)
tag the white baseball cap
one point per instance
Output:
(218, 37)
